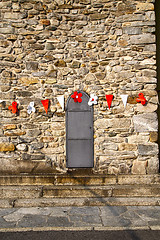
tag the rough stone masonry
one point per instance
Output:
(53, 47)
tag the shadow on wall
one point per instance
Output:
(157, 11)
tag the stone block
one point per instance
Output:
(148, 108)
(76, 191)
(14, 133)
(153, 165)
(50, 81)
(113, 123)
(8, 30)
(136, 179)
(143, 39)
(127, 147)
(60, 63)
(146, 122)
(145, 6)
(153, 136)
(33, 132)
(47, 139)
(12, 192)
(138, 138)
(139, 167)
(98, 16)
(148, 149)
(11, 15)
(24, 94)
(9, 127)
(137, 191)
(4, 203)
(50, 46)
(37, 46)
(28, 80)
(32, 65)
(45, 22)
(21, 147)
(132, 30)
(7, 147)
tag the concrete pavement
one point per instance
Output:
(80, 218)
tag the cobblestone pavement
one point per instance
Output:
(82, 218)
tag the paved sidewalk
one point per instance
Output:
(80, 218)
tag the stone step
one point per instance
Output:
(16, 192)
(102, 191)
(74, 179)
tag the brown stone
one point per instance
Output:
(37, 46)
(132, 100)
(98, 16)
(47, 139)
(4, 43)
(125, 7)
(60, 63)
(127, 147)
(45, 22)
(90, 45)
(9, 127)
(7, 147)
(14, 133)
(28, 81)
(153, 137)
(123, 43)
(145, 6)
(64, 6)
(100, 75)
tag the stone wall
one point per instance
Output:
(50, 48)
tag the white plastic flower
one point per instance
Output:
(31, 108)
(93, 100)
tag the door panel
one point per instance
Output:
(79, 125)
(80, 153)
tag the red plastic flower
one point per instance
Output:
(141, 99)
(77, 97)
(13, 108)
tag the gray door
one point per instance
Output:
(79, 133)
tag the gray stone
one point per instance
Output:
(37, 157)
(9, 30)
(112, 211)
(59, 211)
(148, 149)
(143, 39)
(116, 222)
(33, 221)
(132, 30)
(50, 46)
(153, 165)
(91, 219)
(84, 211)
(147, 122)
(31, 65)
(5, 224)
(21, 147)
(4, 212)
(58, 222)
(33, 132)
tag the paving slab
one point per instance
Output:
(103, 217)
